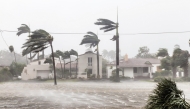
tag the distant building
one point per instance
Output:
(135, 67)
(87, 66)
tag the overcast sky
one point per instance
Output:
(78, 16)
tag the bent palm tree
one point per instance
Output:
(11, 49)
(65, 55)
(24, 29)
(38, 41)
(92, 38)
(109, 25)
(60, 54)
(73, 52)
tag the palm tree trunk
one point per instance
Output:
(38, 56)
(15, 57)
(185, 68)
(64, 69)
(43, 54)
(174, 72)
(61, 67)
(26, 60)
(55, 81)
(98, 71)
(70, 66)
(77, 67)
(117, 55)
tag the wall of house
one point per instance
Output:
(128, 72)
(109, 71)
(140, 72)
(154, 68)
(83, 63)
(30, 72)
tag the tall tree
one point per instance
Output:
(65, 55)
(73, 52)
(38, 41)
(105, 54)
(143, 52)
(109, 25)
(183, 61)
(24, 29)
(175, 60)
(92, 38)
(162, 52)
(11, 49)
(61, 56)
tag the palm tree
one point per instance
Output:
(109, 26)
(65, 55)
(73, 52)
(184, 56)
(38, 41)
(60, 55)
(92, 38)
(24, 29)
(11, 49)
(167, 96)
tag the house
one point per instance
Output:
(37, 68)
(87, 66)
(135, 67)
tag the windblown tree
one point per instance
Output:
(167, 96)
(143, 52)
(92, 39)
(73, 52)
(175, 61)
(162, 52)
(109, 25)
(24, 29)
(38, 41)
(11, 49)
(183, 61)
(65, 55)
(105, 54)
(61, 56)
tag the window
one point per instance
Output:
(135, 70)
(89, 61)
(145, 69)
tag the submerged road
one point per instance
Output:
(79, 95)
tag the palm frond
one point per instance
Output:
(104, 22)
(167, 96)
(11, 48)
(23, 29)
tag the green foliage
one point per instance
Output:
(166, 63)
(163, 73)
(143, 52)
(23, 29)
(91, 38)
(167, 96)
(162, 52)
(38, 41)
(11, 48)
(48, 60)
(73, 52)
(5, 75)
(108, 24)
(16, 68)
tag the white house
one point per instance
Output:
(87, 65)
(135, 67)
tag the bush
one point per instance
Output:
(167, 96)
(5, 75)
(114, 78)
(182, 79)
(158, 79)
(39, 77)
(164, 73)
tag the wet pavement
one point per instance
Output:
(79, 95)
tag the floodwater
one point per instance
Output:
(79, 95)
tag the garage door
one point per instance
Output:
(43, 73)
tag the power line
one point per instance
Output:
(3, 38)
(112, 34)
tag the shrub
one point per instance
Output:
(5, 75)
(167, 96)
(164, 73)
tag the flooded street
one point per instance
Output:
(79, 95)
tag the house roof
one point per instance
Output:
(137, 62)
